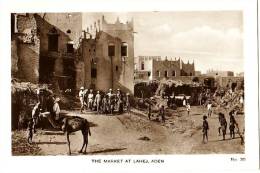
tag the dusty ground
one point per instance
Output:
(135, 134)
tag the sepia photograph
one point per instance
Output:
(127, 83)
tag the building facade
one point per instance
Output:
(107, 56)
(154, 68)
(52, 48)
(44, 47)
(216, 73)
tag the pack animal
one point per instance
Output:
(73, 124)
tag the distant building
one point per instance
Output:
(216, 73)
(241, 74)
(154, 68)
(197, 73)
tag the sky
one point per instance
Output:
(212, 39)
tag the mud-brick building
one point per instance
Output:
(44, 47)
(108, 56)
(154, 68)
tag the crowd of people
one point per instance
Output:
(104, 103)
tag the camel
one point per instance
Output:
(73, 124)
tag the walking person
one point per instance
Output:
(188, 108)
(232, 125)
(162, 113)
(205, 128)
(81, 98)
(209, 108)
(223, 124)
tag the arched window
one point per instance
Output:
(111, 49)
(173, 73)
(142, 65)
(124, 51)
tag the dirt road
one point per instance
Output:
(135, 134)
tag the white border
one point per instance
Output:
(173, 162)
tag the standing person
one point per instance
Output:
(232, 124)
(127, 103)
(30, 131)
(184, 101)
(40, 95)
(119, 101)
(149, 111)
(223, 124)
(110, 100)
(209, 108)
(162, 113)
(205, 128)
(56, 108)
(85, 97)
(90, 99)
(35, 115)
(98, 101)
(200, 99)
(104, 105)
(188, 108)
(81, 98)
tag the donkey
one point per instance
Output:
(73, 124)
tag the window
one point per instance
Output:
(190, 74)
(165, 73)
(124, 49)
(93, 73)
(53, 42)
(149, 74)
(70, 48)
(142, 66)
(116, 68)
(111, 50)
(173, 73)
(158, 73)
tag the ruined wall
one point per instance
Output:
(26, 46)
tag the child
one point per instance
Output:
(30, 131)
(188, 108)
(209, 107)
(162, 113)
(205, 128)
